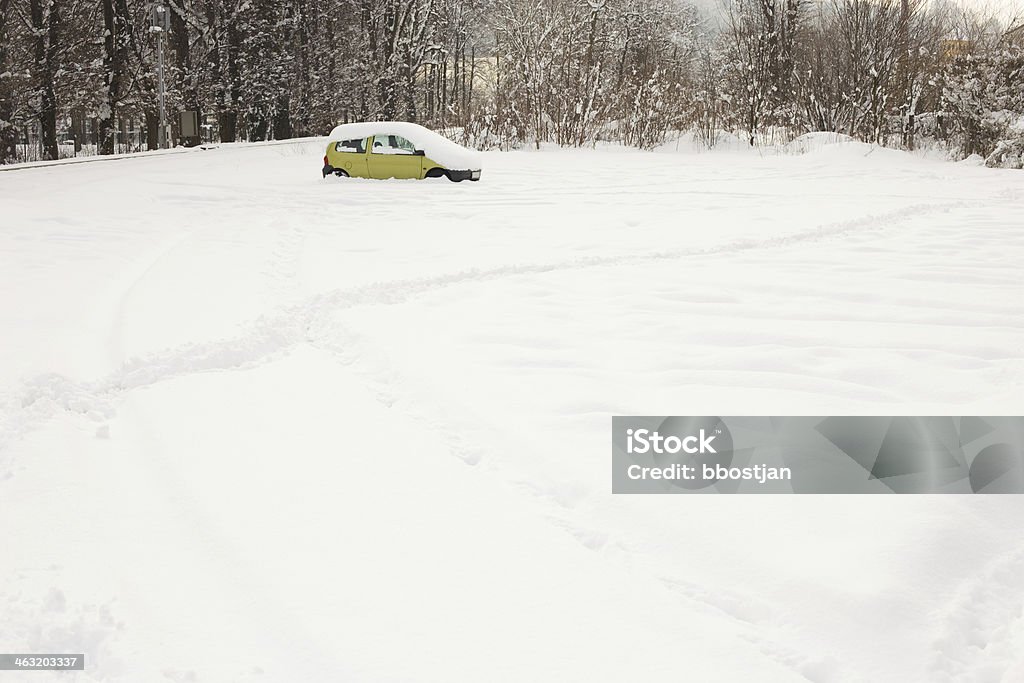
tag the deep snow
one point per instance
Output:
(256, 425)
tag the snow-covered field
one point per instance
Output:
(260, 426)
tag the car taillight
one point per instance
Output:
(325, 160)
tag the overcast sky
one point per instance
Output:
(1005, 9)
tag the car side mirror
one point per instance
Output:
(420, 153)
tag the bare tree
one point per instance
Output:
(761, 38)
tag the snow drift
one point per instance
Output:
(812, 142)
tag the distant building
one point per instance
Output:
(951, 49)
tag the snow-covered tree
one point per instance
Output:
(983, 100)
(10, 84)
(760, 45)
(503, 72)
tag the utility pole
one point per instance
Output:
(162, 89)
(160, 23)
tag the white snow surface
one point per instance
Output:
(260, 426)
(813, 142)
(437, 147)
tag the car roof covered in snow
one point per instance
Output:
(435, 146)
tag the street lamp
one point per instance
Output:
(160, 23)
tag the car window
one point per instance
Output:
(392, 144)
(356, 146)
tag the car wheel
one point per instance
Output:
(341, 173)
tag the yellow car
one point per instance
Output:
(397, 149)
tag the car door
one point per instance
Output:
(350, 156)
(392, 156)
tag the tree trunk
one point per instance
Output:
(227, 121)
(114, 60)
(45, 28)
(468, 114)
(183, 65)
(78, 129)
(8, 132)
(152, 129)
(303, 121)
(282, 118)
(257, 129)
(228, 115)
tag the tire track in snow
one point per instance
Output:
(756, 618)
(388, 386)
(982, 631)
(271, 336)
(47, 395)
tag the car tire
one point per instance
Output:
(341, 173)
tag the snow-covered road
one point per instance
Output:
(260, 426)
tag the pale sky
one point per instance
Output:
(1004, 9)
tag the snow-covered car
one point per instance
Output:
(397, 149)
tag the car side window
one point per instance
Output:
(392, 144)
(353, 146)
(404, 145)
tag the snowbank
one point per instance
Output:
(841, 150)
(1008, 154)
(437, 147)
(973, 160)
(812, 142)
(689, 141)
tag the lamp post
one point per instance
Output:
(160, 23)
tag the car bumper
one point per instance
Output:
(328, 169)
(464, 175)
